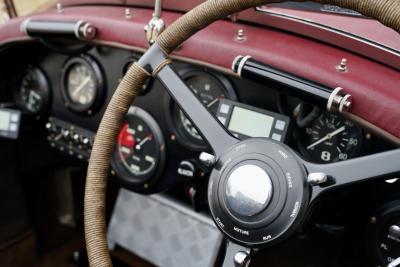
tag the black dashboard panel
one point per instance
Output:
(72, 131)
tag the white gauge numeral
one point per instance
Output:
(325, 156)
(343, 156)
(353, 141)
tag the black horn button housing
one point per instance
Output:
(270, 202)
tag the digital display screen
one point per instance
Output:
(4, 120)
(250, 123)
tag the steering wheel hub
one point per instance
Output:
(258, 192)
(248, 190)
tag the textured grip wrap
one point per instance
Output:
(386, 11)
(99, 164)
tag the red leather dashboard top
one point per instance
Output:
(375, 87)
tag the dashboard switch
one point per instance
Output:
(207, 159)
(186, 169)
(317, 178)
(394, 231)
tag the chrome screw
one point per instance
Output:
(240, 35)
(342, 66)
(128, 14)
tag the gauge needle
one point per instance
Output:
(214, 101)
(328, 136)
(139, 146)
(81, 86)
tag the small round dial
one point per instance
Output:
(83, 84)
(209, 89)
(331, 138)
(34, 91)
(140, 148)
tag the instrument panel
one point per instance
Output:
(158, 147)
(75, 89)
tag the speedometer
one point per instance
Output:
(209, 89)
(331, 138)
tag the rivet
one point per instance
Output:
(173, 137)
(59, 7)
(240, 35)
(128, 14)
(113, 173)
(368, 136)
(373, 220)
(342, 67)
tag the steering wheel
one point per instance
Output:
(260, 192)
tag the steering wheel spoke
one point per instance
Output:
(210, 128)
(331, 176)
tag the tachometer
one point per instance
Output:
(140, 150)
(33, 94)
(331, 138)
(210, 89)
(83, 84)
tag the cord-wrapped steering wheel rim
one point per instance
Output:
(386, 11)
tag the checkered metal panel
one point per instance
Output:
(162, 231)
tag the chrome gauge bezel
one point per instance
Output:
(148, 179)
(44, 88)
(181, 135)
(100, 88)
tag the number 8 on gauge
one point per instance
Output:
(139, 154)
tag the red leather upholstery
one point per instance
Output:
(375, 87)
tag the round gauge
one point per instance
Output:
(331, 138)
(140, 150)
(209, 89)
(83, 84)
(383, 233)
(33, 95)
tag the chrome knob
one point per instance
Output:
(394, 230)
(241, 259)
(249, 190)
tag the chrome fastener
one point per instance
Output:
(207, 159)
(342, 67)
(317, 178)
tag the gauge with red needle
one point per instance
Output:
(139, 151)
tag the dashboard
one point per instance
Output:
(69, 94)
(60, 91)
(158, 147)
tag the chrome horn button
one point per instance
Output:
(248, 190)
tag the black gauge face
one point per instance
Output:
(83, 84)
(331, 138)
(140, 147)
(209, 90)
(34, 91)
